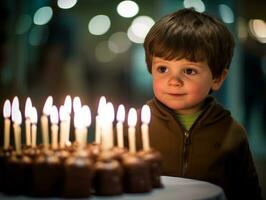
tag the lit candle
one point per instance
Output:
(76, 104)
(33, 119)
(100, 111)
(119, 126)
(107, 125)
(68, 106)
(86, 116)
(17, 119)
(28, 107)
(132, 121)
(145, 118)
(7, 113)
(44, 121)
(79, 127)
(64, 116)
(54, 127)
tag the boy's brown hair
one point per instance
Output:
(192, 35)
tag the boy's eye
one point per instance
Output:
(190, 71)
(162, 69)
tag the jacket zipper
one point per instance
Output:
(187, 142)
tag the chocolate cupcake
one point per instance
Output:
(136, 174)
(154, 159)
(108, 178)
(78, 176)
(48, 175)
(18, 175)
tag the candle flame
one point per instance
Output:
(145, 114)
(54, 115)
(78, 117)
(48, 106)
(68, 103)
(7, 109)
(16, 117)
(76, 104)
(121, 113)
(14, 108)
(101, 105)
(110, 112)
(132, 117)
(28, 107)
(33, 115)
(63, 113)
(86, 113)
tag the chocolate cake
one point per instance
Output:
(108, 178)
(78, 176)
(136, 174)
(154, 159)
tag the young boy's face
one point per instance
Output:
(182, 85)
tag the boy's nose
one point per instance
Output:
(175, 81)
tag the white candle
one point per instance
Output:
(98, 120)
(119, 126)
(33, 119)
(145, 118)
(44, 121)
(86, 113)
(28, 107)
(132, 121)
(63, 125)
(107, 126)
(79, 128)
(54, 127)
(17, 130)
(7, 113)
(68, 107)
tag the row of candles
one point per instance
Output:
(60, 132)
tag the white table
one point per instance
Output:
(174, 189)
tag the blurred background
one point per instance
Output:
(90, 48)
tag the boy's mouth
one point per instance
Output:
(176, 94)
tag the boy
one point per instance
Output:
(188, 55)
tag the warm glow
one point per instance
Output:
(101, 105)
(78, 119)
(16, 117)
(48, 105)
(76, 104)
(121, 113)
(68, 103)
(127, 8)
(14, 108)
(257, 28)
(132, 117)
(28, 107)
(63, 114)
(7, 109)
(110, 112)
(86, 115)
(54, 115)
(145, 114)
(33, 115)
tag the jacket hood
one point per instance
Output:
(212, 111)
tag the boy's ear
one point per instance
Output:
(218, 82)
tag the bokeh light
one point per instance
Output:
(119, 42)
(127, 9)
(99, 25)
(43, 15)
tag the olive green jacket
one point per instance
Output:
(215, 149)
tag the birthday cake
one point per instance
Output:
(76, 169)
